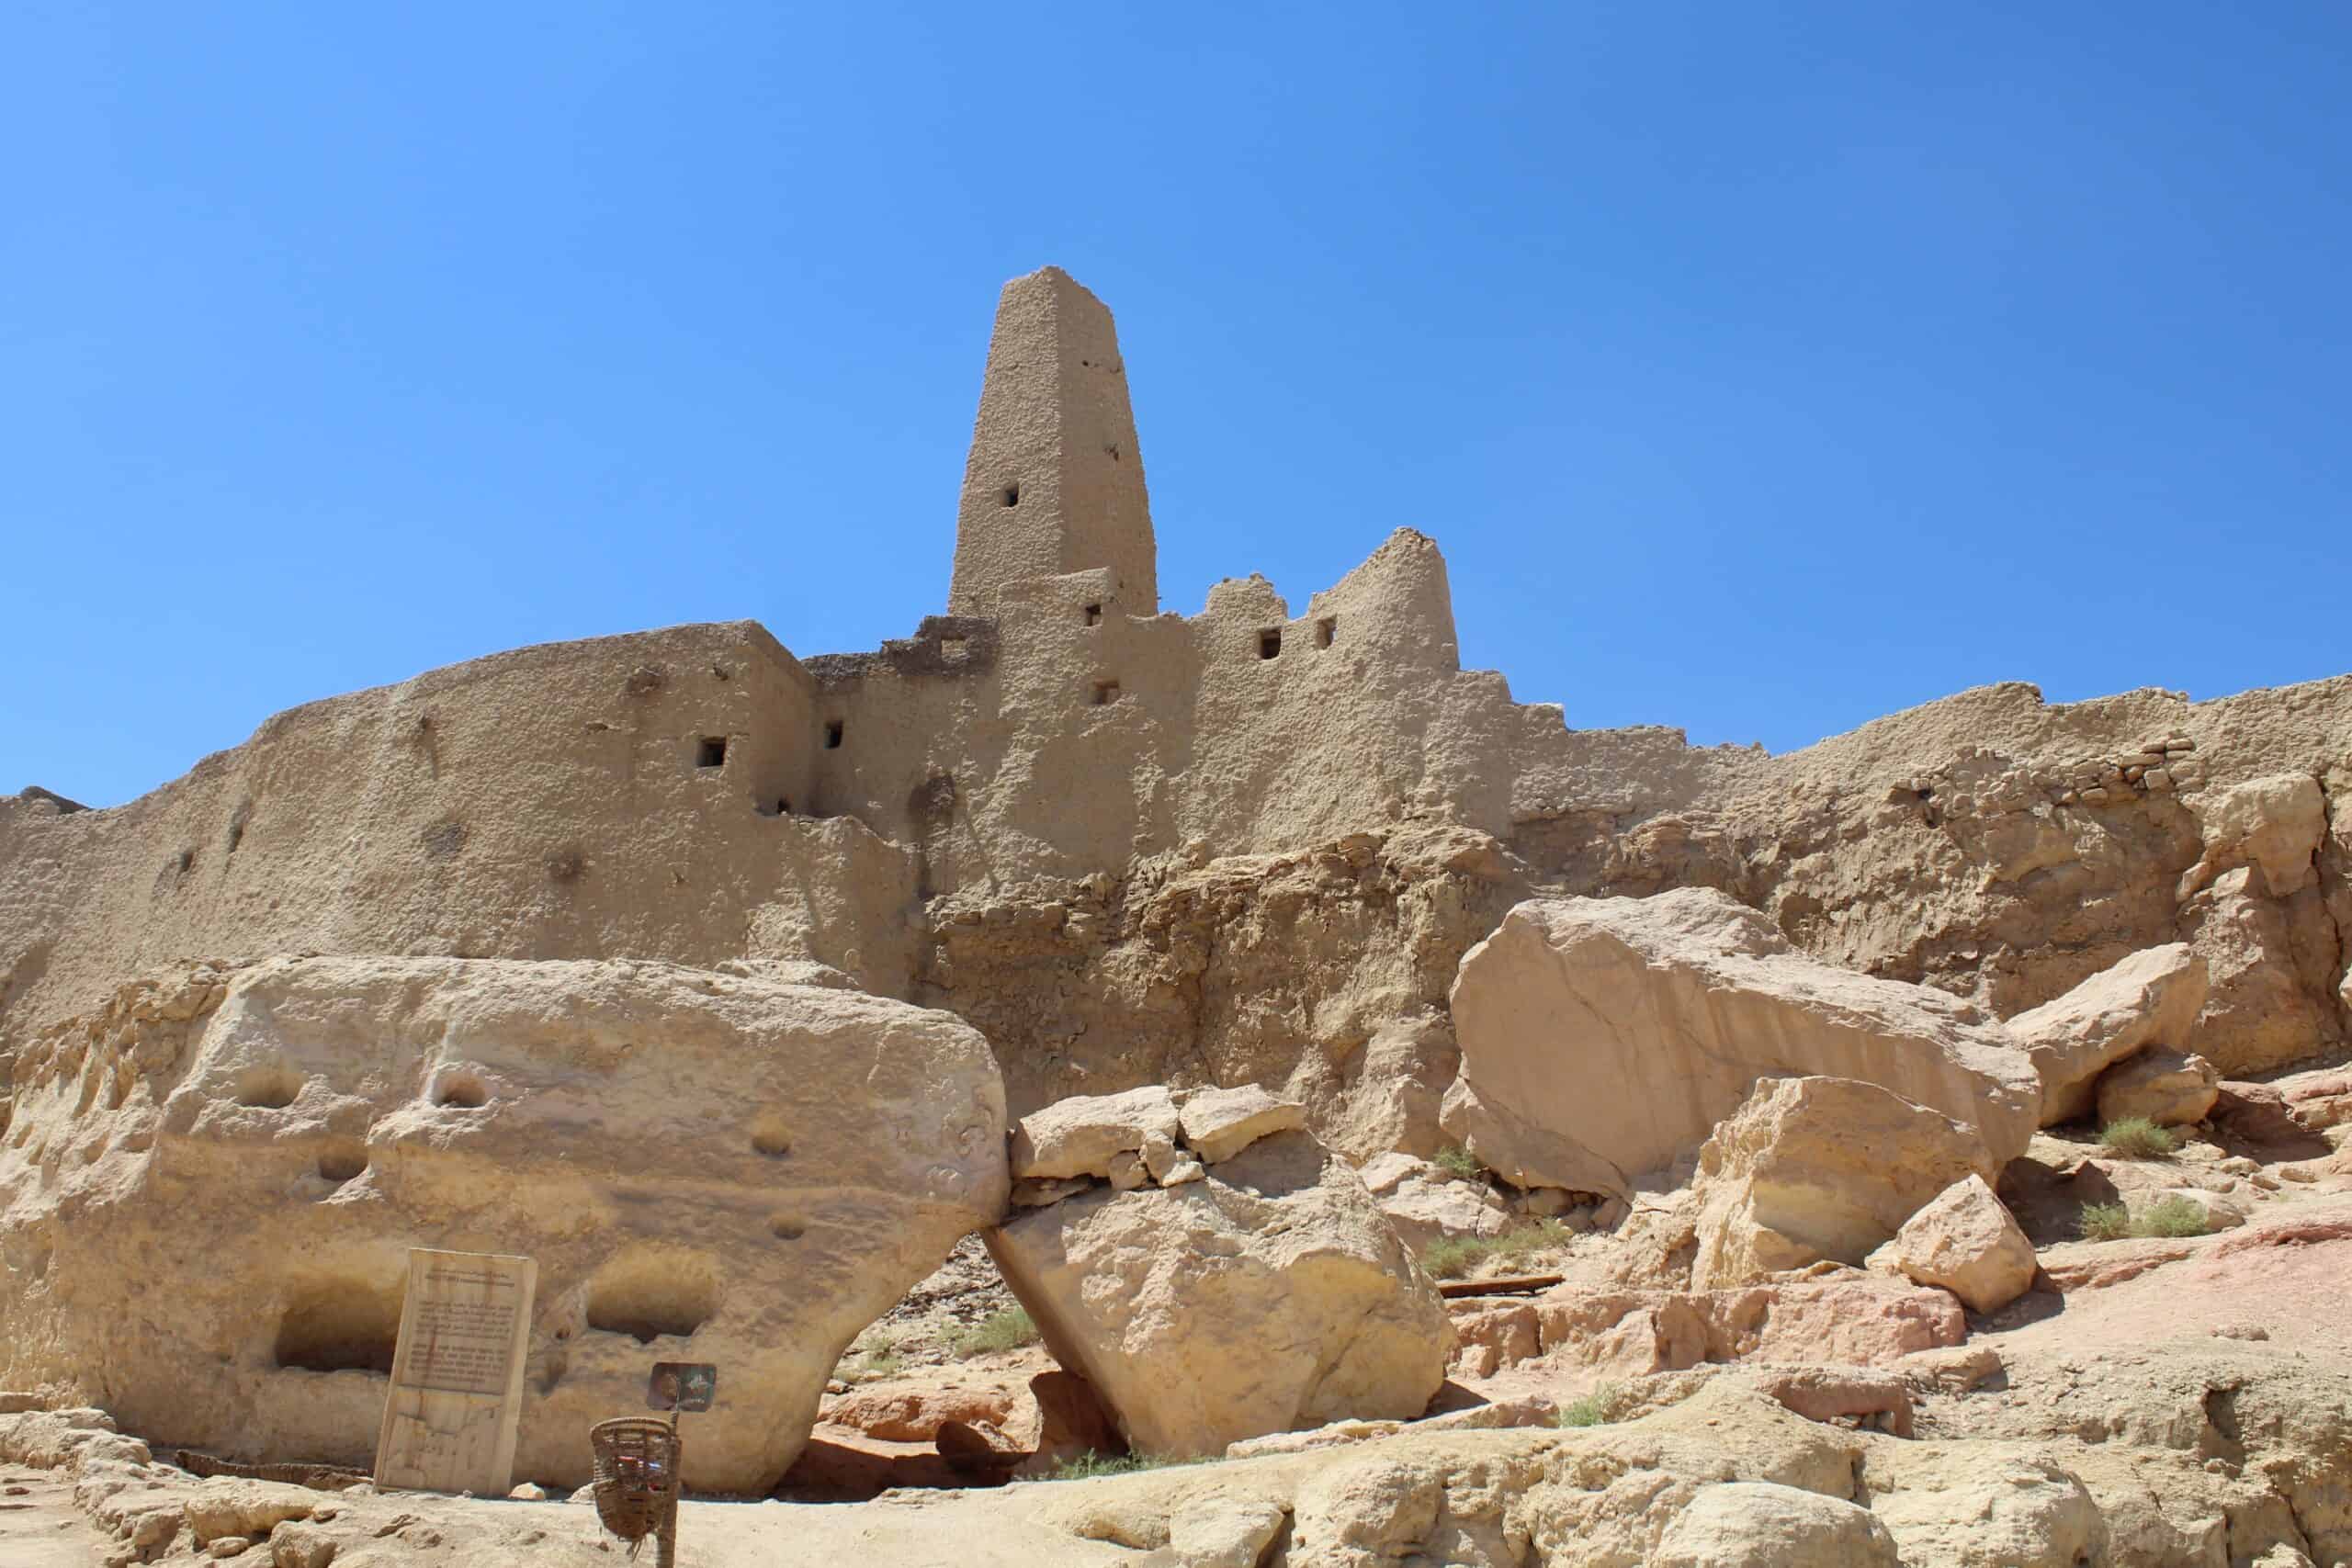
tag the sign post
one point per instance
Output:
(457, 1395)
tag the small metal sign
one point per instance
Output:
(680, 1385)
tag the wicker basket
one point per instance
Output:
(637, 1476)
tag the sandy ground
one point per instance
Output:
(40, 1526)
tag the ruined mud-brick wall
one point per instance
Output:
(1952, 845)
(633, 796)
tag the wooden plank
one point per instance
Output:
(1512, 1285)
(457, 1395)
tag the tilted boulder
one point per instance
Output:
(1270, 1295)
(2165, 1087)
(1966, 1242)
(1603, 1038)
(2149, 997)
(1819, 1168)
(706, 1167)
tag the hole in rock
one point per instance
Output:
(1325, 629)
(464, 1091)
(713, 752)
(770, 1136)
(648, 1294)
(1105, 693)
(786, 1228)
(343, 1162)
(832, 735)
(1094, 614)
(1012, 495)
(340, 1325)
(269, 1089)
(1270, 644)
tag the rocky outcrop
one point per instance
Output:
(2151, 997)
(1819, 1168)
(211, 1188)
(1602, 1039)
(1965, 1242)
(1270, 1293)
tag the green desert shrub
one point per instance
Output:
(2165, 1217)
(2136, 1137)
(1458, 1163)
(1088, 1465)
(1006, 1330)
(1592, 1410)
(2170, 1216)
(1457, 1256)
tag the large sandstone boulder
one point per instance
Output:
(1819, 1168)
(1267, 1295)
(1965, 1242)
(706, 1169)
(1603, 1038)
(2150, 997)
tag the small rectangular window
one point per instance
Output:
(712, 753)
(1324, 629)
(832, 735)
(1094, 614)
(1270, 644)
(1105, 693)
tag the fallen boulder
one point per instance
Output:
(2147, 999)
(706, 1167)
(1819, 1168)
(1965, 1242)
(1269, 1294)
(1602, 1039)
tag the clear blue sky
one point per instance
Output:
(1761, 368)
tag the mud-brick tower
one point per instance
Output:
(1054, 483)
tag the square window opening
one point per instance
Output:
(955, 650)
(832, 735)
(1325, 629)
(1270, 644)
(712, 752)
(1105, 693)
(1094, 614)
(1012, 495)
